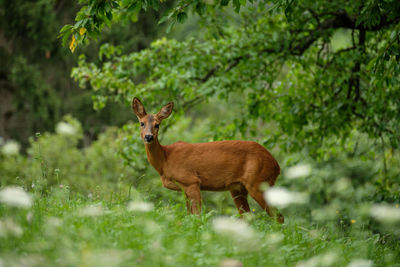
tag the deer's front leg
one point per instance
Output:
(193, 198)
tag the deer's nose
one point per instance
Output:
(148, 138)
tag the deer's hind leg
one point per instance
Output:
(239, 195)
(256, 193)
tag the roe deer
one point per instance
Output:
(237, 166)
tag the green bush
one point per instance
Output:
(55, 160)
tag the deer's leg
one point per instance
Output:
(258, 196)
(239, 195)
(193, 200)
(188, 205)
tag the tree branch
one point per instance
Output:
(341, 19)
(209, 74)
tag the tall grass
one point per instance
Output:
(63, 229)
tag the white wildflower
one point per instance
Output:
(91, 211)
(342, 185)
(298, 171)
(281, 197)
(15, 196)
(234, 228)
(360, 263)
(54, 222)
(230, 263)
(10, 148)
(140, 206)
(385, 213)
(29, 217)
(23, 260)
(274, 238)
(325, 213)
(8, 227)
(325, 259)
(156, 245)
(52, 226)
(151, 227)
(64, 128)
(107, 257)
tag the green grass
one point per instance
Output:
(56, 232)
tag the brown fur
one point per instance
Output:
(238, 166)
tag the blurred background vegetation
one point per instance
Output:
(35, 85)
(315, 82)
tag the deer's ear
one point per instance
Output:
(138, 108)
(165, 111)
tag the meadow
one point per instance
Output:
(62, 205)
(64, 229)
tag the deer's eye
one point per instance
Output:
(142, 124)
(157, 126)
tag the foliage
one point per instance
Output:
(36, 90)
(317, 70)
(55, 160)
(26, 94)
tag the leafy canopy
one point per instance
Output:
(319, 70)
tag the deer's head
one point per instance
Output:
(150, 123)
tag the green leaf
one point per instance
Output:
(65, 37)
(371, 64)
(66, 28)
(170, 26)
(201, 8)
(236, 5)
(182, 16)
(155, 5)
(109, 16)
(145, 4)
(289, 9)
(224, 2)
(163, 19)
(133, 7)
